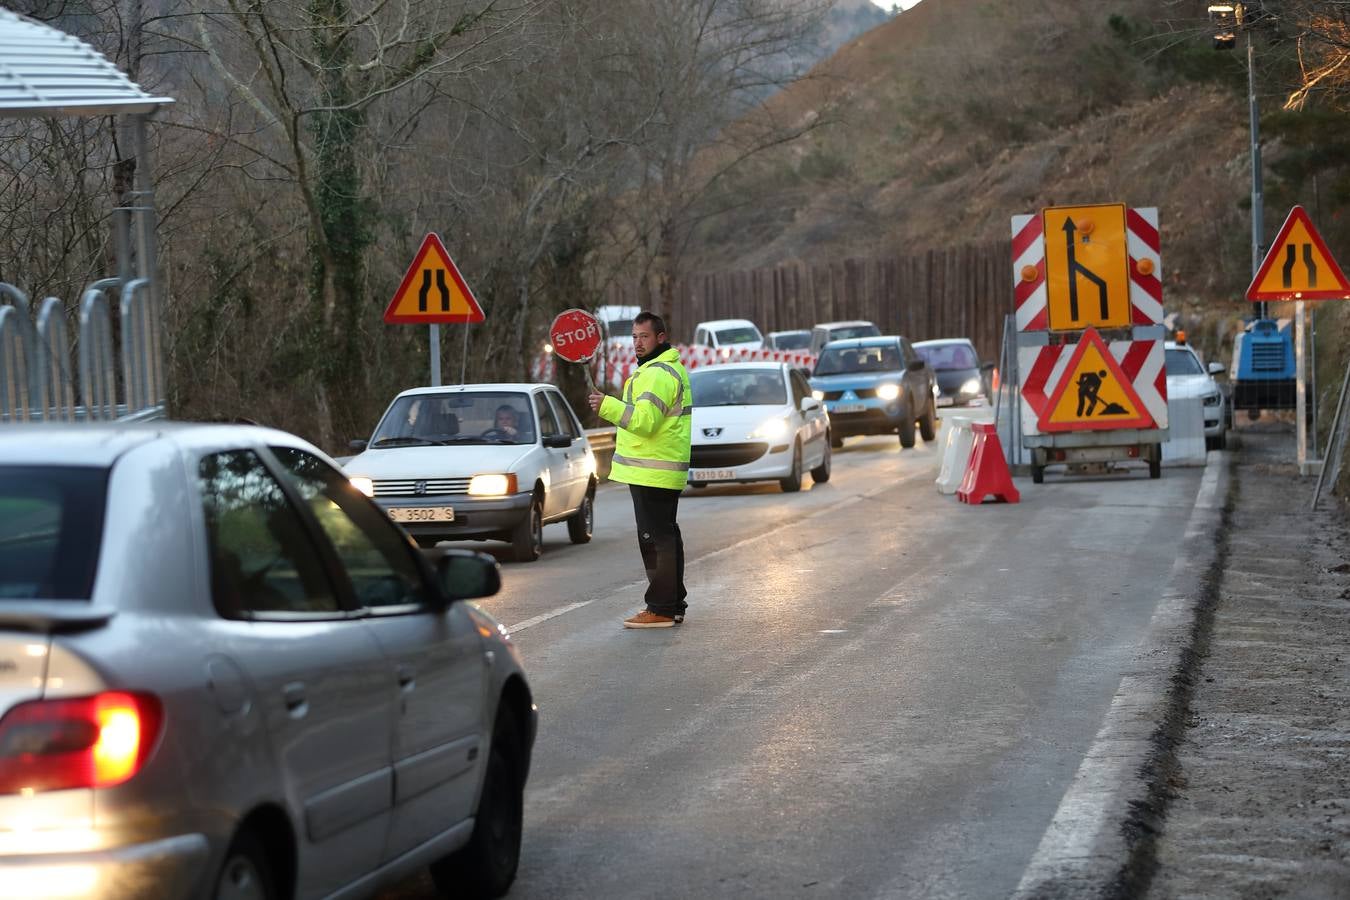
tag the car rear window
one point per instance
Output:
(51, 521)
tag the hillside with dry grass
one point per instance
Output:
(961, 113)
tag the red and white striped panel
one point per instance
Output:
(1141, 235)
(1042, 368)
(1145, 252)
(1028, 254)
(621, 361)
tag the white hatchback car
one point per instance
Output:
(483, 462)
(1187, 378)
(757, 422)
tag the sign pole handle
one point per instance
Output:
(435, 355)
(586, 367)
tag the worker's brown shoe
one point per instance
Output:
(648, 619)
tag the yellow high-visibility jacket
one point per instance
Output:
(654, 416)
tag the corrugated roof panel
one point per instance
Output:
(44, 71)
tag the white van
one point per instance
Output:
(728, 334)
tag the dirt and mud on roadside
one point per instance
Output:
(1261, 800)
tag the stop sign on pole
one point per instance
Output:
(575, 335)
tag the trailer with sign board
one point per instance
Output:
(1090, 336)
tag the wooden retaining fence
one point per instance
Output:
(961, 291)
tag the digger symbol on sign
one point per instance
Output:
(1089, 386)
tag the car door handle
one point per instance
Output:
(406, 676)
(294, 695)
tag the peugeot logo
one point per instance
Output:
(712, 432)
(420, 488)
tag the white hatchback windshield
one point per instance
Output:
(463, 417)
(1183, 362)
(743, 387)
(740, 335)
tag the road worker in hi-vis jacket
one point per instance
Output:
(651, 456)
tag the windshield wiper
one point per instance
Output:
(401, 441)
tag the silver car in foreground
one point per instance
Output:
(225, 673)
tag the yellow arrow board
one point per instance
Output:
(1087, 275)
(1298, 266)
(433, 292)
(1094, 393)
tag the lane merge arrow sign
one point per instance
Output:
(433, 292)
(1298, 266)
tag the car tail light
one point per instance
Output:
(81, 742)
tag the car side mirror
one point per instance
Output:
(810, 403)
(1216, 368)
(987, 366)
(557, 441)
(466, 574)
(918, 365)
(358, 446)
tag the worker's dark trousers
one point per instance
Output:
(662, 547)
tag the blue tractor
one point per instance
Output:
(1264, 355)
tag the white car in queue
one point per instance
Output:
(757, 422)
(480, 462)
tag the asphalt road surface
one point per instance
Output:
(878, 691)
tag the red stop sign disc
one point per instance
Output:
(575, 335)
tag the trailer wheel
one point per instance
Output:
(1155, 461)
(1037, 474)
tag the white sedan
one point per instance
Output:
(757, 422)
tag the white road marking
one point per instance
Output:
(544, 617)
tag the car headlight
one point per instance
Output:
(888, 391)
(819, 395)
(771, 430)
(1211, 400)
(492, 485)
(363, 484)
(972, 386)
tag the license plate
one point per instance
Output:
(422, 513)
(849, 407)
(945, 401)
(711, 475)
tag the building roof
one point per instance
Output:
(46, 72)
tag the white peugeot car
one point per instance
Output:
(1187, 378)
(481, 462)
(757, 422)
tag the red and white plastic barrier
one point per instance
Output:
(620, 362)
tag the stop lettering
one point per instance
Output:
(575, 335)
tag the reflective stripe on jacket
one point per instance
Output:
(654, 419)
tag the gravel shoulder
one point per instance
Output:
(1260, 798)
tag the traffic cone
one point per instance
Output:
(987, 472)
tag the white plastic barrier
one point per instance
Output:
(1185, 445)
(956, 439)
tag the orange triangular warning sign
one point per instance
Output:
(433, 291)
(1094, 393)
(1299, 266)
